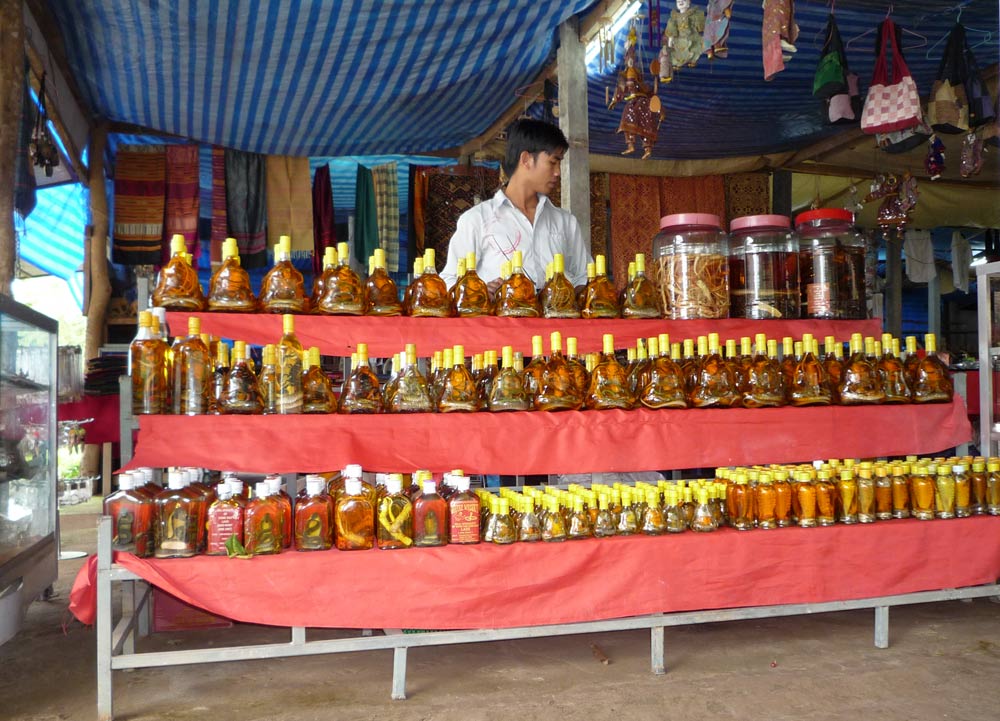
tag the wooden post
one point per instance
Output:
(575, 189)
(893, 282)
(100, 285)
(781, 193)
(11, 101)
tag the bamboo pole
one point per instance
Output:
(97, 281)
(11, 98)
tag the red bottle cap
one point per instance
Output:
(824, 214)
(760, 221)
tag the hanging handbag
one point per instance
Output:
(903, 141)
(831, 73)
(891, 104)
(981, 107)
(845, 108)
(947, 108)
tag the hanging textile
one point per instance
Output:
(324, 225)
(366, 216)
(246, 209)
(635, 219)
(919, 252)
(778, 35)
(418, 208)
(450, 192)
(24, 174)
(961, 261)
(182, 199)
(140, 203)
(220, 227)
(598, 214)
(385, 180)
(289, 204)
(747, 194)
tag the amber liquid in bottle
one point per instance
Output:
(609, 382)
(192, 373)
(470, 295)
(900, 492)
(883, 493)
(739, 504)
(977, 479)
(557, 391)
(892, 374)
(262, 523)
(267, 381)
(600, 300)
(131, 512)
(230, 290)
(834, 364)
(430, 517)
(343, 293)
(395, 516)
(922, 491)
(782, 499)
(559, 295)
(317, 392)
(993, 487)
(516, 296)
(428, 295)
(932, 380)
(860, 382)
(225, 520)
(175, 529)
(963, 491)
(458, 389)
(319, 280)
(826, 503)
(147, 359)
(810, 384)
(354, 518)
(640, 299)
(805, 505)
(412, 394)
(314, 517)
(765, 502)
(715, 385)
(763, 387)
(666, 387)
(362, 392)
(866, 496)
(178, 287)
(288, 365)
(242, 395)
(508, 392)
(463, 513)
(944, 492)
(581, 376)
(283, 288)
(381, 293)
(220, 378)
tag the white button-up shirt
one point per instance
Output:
(495, 228)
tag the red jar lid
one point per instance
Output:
(760, 221)
(825, 214)
(680, 219)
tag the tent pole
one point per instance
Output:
(97, 269)
(894, 282)
(11, 100)
(574, 123)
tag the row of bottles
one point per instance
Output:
(848, 492)
(193, 515)
(186, 379)
(338, 290)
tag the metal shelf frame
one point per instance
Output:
(988, 438)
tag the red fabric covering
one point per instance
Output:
(339, 335)
(536, 442)
(488, 586)
(83, 595)
(103, 409)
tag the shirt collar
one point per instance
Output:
(500, 198)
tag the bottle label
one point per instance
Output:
(818, 301)
(465, 521)
(224, 521)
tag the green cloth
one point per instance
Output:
(366, 216)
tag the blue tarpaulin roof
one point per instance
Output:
(51, 238)
(308, 77)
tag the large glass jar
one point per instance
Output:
(692, 257)
(832, 264)
(763, 268)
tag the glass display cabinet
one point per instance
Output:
(28, 520)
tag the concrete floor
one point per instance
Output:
(943, 663)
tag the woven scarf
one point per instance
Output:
(220, 228)
(366, 216)
(324, 227)
(246, 210)
(182, 198)
(140, 203)
(289, 204)
(387, 209)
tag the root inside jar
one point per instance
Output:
(694, 285)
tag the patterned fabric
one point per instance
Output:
(747, 194)
(779, 24)
(598, 214)
(183, 199)
(246, 209)
(220, 228)
(703, 194)
(450, 192)
(386, 184)
(366, 216)
(289, 204)
(324, 227)
(140, 202)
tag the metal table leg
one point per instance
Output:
(656, 639)
(881, 627)
(104, 691)
(399, 673)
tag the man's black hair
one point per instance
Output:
(534, 136)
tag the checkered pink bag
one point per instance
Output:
(896, 105)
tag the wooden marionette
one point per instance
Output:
(683, 35)
(640, 116)
(716, 38)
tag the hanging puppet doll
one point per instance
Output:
(716, 39)
(682, 36)
(778, 34)
(637, 116)
(934, 162)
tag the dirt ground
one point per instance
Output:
(943, 663)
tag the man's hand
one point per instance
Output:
(494, 285)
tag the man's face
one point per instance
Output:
(544, 169)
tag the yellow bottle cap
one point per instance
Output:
(507, 353)
(745, 346)
(307, 361)
(418, 266)
(591, 271)
(631, 270)
(895, 347)
(145, 319)
(194, 325)
(713, 341)
(177, 244)
(429, 258)
(640, 350)
(267, 355)
(571, 347)
(517, 260)
(411, 353)
(230, 249)
(447, 358)
(555, 341)
(460, 268)
(239, 350)
(362, 353)
(731, 348)
(222, 354)
(828, 343)
(343, 253)
(536, 346)
(470, 260)
(285, 241)
(911, 344)
(601, 265)
(506, 269)
(877, 348)
(379, 257)
(787, 345)
(549, 271)
(664, 339)
(288, 323)
(797, 349)
(930, 343)
(559, 263)
(702, 345)
(675, 351)
(654, 346)
(458, 355)
(609, 341)
(640, 263)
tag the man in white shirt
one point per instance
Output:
(520, 216)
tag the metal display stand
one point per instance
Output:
(116, 641)
(988, 436)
